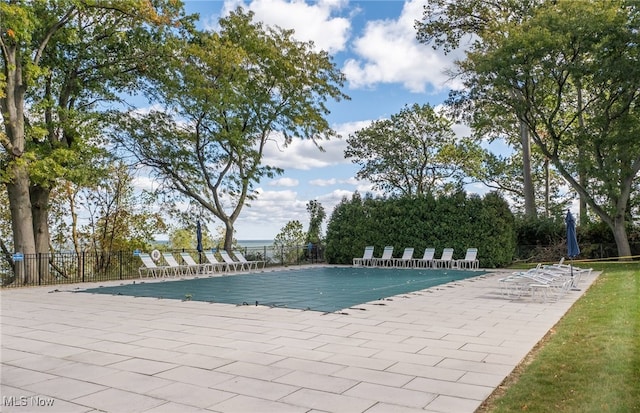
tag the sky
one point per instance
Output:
(374, 44)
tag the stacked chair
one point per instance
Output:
(543, 281)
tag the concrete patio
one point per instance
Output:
(444, 349)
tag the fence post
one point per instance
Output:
(84, 257)
(121, 263)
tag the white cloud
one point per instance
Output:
(389, 53)
(461, 130)
(271, 211)
(145, 110)
(286, 182)
(345, 129)
(145, 183)
(311, 22)
(352, 181)
(333, 198)
(304, 154)
(266, 215)
(323, 182)
(477, 188)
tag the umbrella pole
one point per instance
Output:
(573, 281)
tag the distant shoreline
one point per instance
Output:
(255, 243)
(244, 243)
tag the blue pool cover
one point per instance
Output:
(326, 289)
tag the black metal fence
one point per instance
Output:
(69, 267)
(89, 266)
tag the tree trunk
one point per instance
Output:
(40, 211)
(21, 222)
(228, 235)
(40, 214)
(12, 105)
(547, 189)
(529, 191)
(622, 241)
(582, 174)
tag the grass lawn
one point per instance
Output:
(590, 361)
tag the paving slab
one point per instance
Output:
(444, 349)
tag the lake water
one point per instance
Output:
(253, 243)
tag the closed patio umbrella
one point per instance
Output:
(573, 250)
(199, 236)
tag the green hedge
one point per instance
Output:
(457, 221)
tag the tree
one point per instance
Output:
(571, 70)
(414, 153)
(181, 239)
(220, 239)
(286, 243)
(446, 24)
(5, 231)
(226, 95)
(504, 173)
(316, 217)
(186, 238)
(119, 219)
(59, 59)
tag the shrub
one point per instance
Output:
(457, 221)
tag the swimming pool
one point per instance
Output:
(326, 289)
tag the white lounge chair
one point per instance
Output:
(427, 259)
(195, 267)
(173, 267)
(231, 262)
(549, 284)
(387, 258)
(469, 261)
(561, 266)
(445, 260)
(215, 264)
(250, 263)
(536, 281)
(366, 259)
(406, 261)
(150, 268)
(575, 272)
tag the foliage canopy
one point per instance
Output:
(225, 96)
